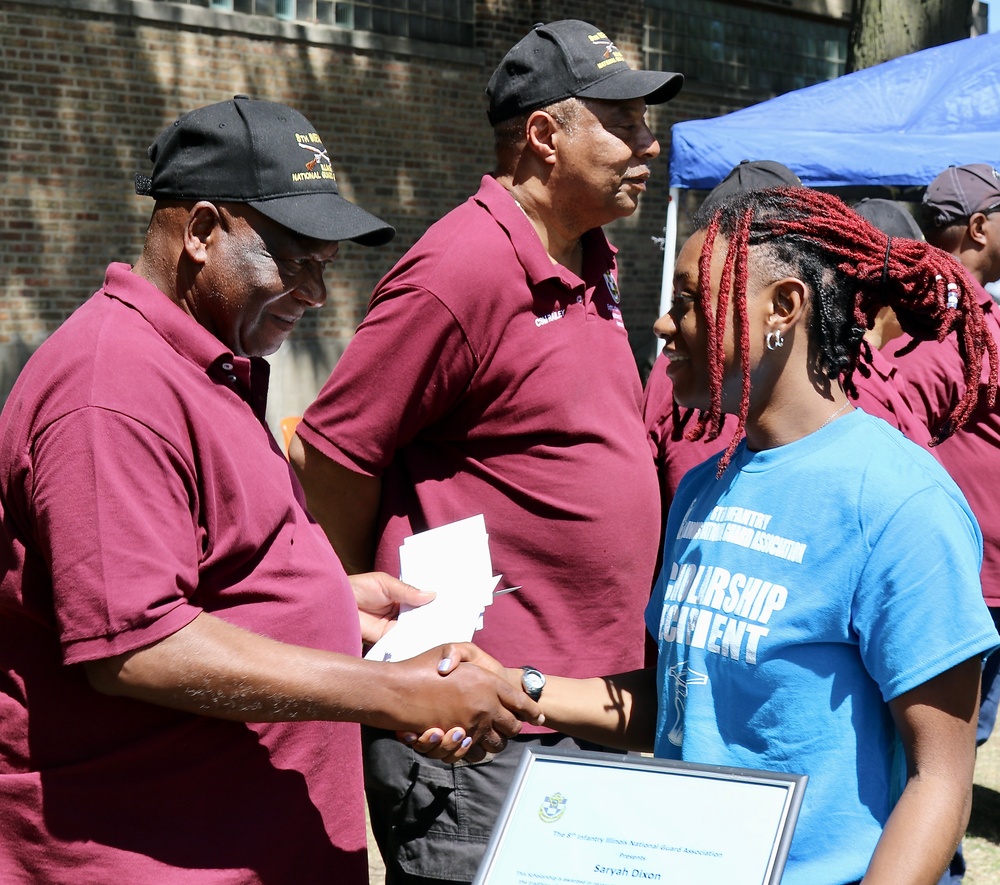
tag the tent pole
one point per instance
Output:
(669, 247)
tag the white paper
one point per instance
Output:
(452, 560)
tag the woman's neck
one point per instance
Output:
(785, 420)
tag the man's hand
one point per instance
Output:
(486, 706)
(453, 744)
(378, 596)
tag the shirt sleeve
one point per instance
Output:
(406, 367)
(113, 506)
(919, 610)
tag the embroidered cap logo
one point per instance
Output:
(318, 165)
(611, 55)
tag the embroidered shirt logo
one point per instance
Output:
(612, 284)
(612, 54)
(317, 164)
(550, 317)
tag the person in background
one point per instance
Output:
(750, 175)
(180, 687)
(876, 388)
(819, 609)
(960, 213)
(667, 424)
(493, 375)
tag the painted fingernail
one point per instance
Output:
(457, 734)
(409, 738)
(435, 738)
(467, 743)
(445, 665)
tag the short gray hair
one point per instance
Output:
(509, 137)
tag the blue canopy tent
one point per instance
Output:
(895, 124)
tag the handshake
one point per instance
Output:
(483, 702)
(472, 702)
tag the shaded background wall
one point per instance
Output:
(87, 84)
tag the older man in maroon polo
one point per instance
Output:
(180, 684)
(493, 375)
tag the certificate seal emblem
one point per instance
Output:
(552, 808)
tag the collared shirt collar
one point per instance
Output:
(248, 376)
(880, 364)
(535, 260)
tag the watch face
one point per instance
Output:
(532, 680)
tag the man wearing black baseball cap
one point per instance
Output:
(180, 677)
(570, 59)
(511, 391)
(263, 155)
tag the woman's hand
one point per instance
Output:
(449, 745)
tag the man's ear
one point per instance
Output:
(975, 231)
(541, 131)
(203, 223)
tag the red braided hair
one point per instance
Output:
(853, 270)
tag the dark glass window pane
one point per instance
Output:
(448, 21)
(734, 47)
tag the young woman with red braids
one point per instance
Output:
(819, 607)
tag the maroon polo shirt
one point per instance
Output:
(140, 487)
(486, 379)
(930, 380)
(879, 395)
(666, 423)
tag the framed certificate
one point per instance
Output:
(573, 816)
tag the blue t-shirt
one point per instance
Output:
(810, 585)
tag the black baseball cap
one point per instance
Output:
(889, 217)
(265, 155)
(750, 175)
(570, 59)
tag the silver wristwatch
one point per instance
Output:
(532, 681)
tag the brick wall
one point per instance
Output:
(87, 85)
